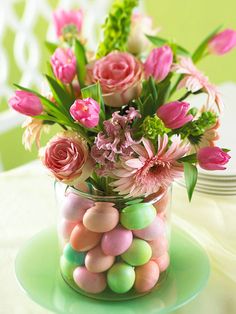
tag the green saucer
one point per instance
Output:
(37, 270)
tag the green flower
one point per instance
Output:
(152, 127)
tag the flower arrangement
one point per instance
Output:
(128, 127)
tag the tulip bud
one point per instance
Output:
(86, 112)
(26, 103)
(63, 64)
(174, 114)
(222, 42)
(158, 63)
(212, 158)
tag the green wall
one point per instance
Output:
(186, 21)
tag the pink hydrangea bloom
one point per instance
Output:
(86, 112)
(222, 42)
(145, 171)
(63, 64)
(115, 141)
(194, 80)
(64, 18)
(212, 158)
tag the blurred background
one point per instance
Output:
(24, 25)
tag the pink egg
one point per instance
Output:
(163, 261)
(102, 217)
(161, 205)
(116, 241)
(153, 231)
(75, 206)
(159, 247)
(89, 282)
(146, 276)
(65, 228)
(97, 261)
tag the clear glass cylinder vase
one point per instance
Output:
(112, 247)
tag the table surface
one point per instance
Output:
(27, 206)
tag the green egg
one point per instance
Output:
(137, 216)
(139, 253)
(121, 277)
(73, 256)
(67, 268)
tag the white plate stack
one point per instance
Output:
(221, 182)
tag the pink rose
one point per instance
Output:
(158, 63)
(86, 112)
(63, 64)
(223, 42)
(119, 74)
(174, 114)
(212, 158)
(26, 103)
(64, 18)
(66, 156)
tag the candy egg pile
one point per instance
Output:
(107, 248)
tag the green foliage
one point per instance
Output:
(117, 27)
(189, 158)
(152, 127)
(190, 175)
(51, 46)
(81, 61)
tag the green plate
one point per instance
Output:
(37, 271)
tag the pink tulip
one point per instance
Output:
(26, 103)
(63, 64)
(212, 158)
(223, 42)
(64, 18)
(174, 114)
(86, 112)
(158, 63)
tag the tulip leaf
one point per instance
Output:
(190, 158)
(51, 46)
(199, 52)
(190, 174)
(157, 41)
(81, 61)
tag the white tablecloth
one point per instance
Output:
(27, 206)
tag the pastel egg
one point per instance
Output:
(163, 261)
(116, 241)
(159, 247)
(73, 256)
(102, 217)
(97, 262)
(65, 228)
(120, 278)
(89, 282)
(153, 231)
(67, 268)
(82, 239)
(138, 216)
(138, 253)
(75, 206)
(146, 277)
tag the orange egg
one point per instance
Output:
(96, 261)
(82, 239)
(146, 276)
(102, 217)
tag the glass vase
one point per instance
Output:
(113, 247)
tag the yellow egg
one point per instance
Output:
(102, 217)
(146, 276)
(96, 261)
(82, 239)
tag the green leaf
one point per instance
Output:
(60, 95)
(81, 61)
(199, 52)
(163, 92)
(51, 46)
(190, 158)
(157, 41)
(226, 150)
(190, 174)
(179, 50)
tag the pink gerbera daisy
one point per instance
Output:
(149, 171)
(194, 80)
